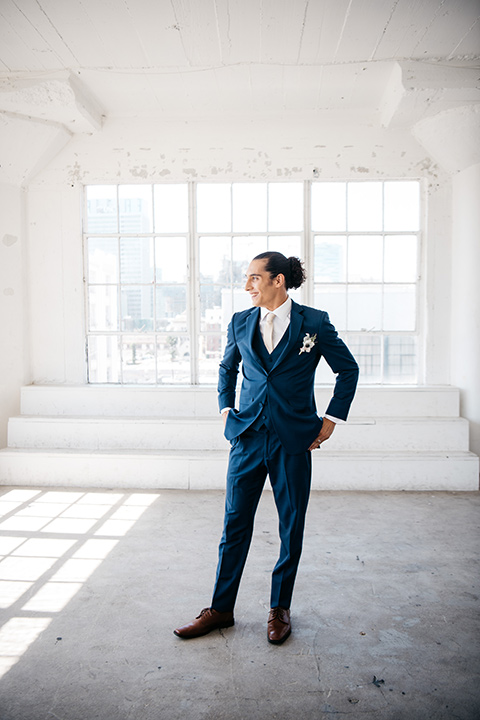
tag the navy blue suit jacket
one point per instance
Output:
(288, 386)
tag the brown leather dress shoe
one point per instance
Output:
(208, 620)
(279, 626)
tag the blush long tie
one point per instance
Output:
(268, 338)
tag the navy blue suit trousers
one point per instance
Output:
(253, 455)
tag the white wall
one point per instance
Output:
(55, 281)
(465, 320)
(14, 366)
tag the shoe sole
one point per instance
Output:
(217, 627)
(280, 642)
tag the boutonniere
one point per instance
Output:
(308, 343)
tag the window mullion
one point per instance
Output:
(307, 243)
(193, 281)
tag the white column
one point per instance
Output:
(14, 354)
(465, 316)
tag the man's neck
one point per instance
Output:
(276, 303)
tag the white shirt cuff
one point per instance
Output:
(335, 420)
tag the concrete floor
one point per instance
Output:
(385, 612)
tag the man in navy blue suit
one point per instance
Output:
(274, 430)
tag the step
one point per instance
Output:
(196, 433)
(452, 471)
(201, 401)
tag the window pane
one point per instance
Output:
(365, 258)
(214, 208)
(244, 250)
(288, 245)
(135, 204)
(171, 208)
(330, 258)
(215, 259)
(402, 205)
(400, 363)
(137, 308)
(329, 206)
(364, 206)
(138, 359)
(102, 260)
(400, 258)
(399, 307)
(296, 295)
(215, 307)
(171, 308)
(210, 352)
(241, 301)
(136, 260)
(103, 307)
(364, 307)
(333, 299)
(367, 351)
(171, 260)
(173, 359)
(103, 359)
(285, 207)
(102, 208)
(249, 207)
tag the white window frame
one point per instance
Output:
(307, 291)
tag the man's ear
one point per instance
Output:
(280, 279)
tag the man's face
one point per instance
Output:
(264, 291)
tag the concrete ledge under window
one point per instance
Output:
(198, 400)
(397, 438)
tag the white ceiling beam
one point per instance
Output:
(27, 146)
(87, 105)
(60, 98)
(452, 138)
(417, 90)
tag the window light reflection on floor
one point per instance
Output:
(15, 638)
(11, 592)
(51, 541)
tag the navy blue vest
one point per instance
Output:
(268, 360)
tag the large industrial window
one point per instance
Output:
(137, 258)
(366, 268)
(165, 269)
(234, 223)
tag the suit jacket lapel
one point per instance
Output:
(250, 327)
(296, 323)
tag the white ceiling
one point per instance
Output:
(156, 35)
(72, 63)
(177, 57)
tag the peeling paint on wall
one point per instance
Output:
(9, 240)
(139, 171)
(427, 167)
(75, 173)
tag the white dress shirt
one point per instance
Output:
(281, 322)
